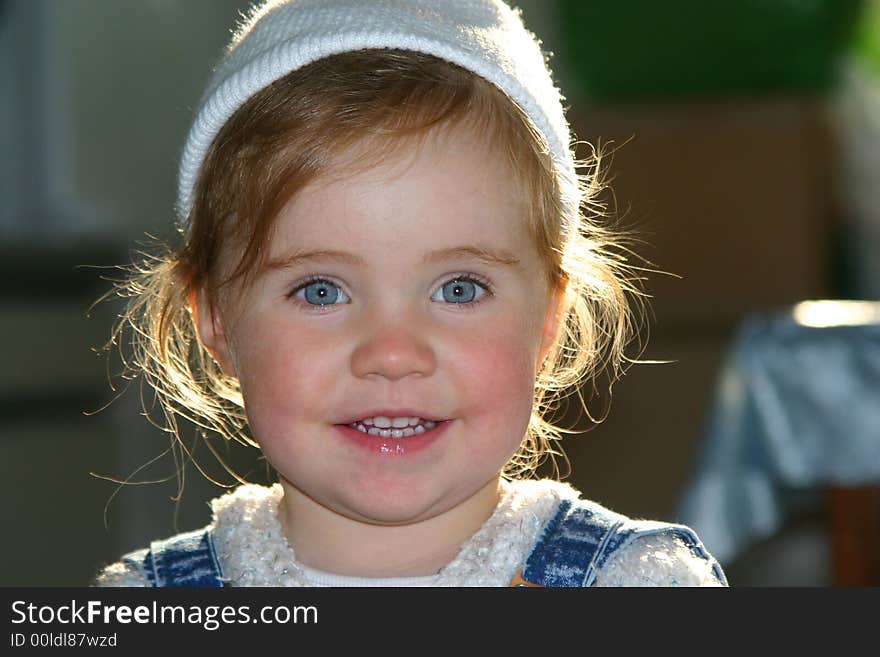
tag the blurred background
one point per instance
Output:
(742, 142)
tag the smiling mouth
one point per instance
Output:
(396, 428)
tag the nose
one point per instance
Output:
(393, 352)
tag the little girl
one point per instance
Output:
(385, 274)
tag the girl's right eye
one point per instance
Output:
(320, 292)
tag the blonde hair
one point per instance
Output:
(285, 136)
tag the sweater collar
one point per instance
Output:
(253, 550)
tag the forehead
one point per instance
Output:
(445, 188)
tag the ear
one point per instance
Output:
(209, 326)
(553, 318)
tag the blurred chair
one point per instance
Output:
(795, 429)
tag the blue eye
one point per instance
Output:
(461, 290)
(321, 292)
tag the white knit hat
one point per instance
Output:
(486, 37)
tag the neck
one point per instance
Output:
(328, 541)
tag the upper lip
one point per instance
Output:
(396, 412)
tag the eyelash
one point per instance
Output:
(470, 278)
(304, 284)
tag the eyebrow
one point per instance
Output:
(496, 257)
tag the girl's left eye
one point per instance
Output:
(321, 292)
(462, 290)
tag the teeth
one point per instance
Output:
(387, 423)
(396, 428)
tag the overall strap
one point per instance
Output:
(566, 550)
(583, 535)
(184, 560)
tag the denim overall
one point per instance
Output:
(573, 547)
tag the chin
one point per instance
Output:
(394, 507)
(386, 513)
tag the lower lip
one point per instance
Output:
(395, 446)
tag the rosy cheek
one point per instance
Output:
(280, 372)
(497, 373)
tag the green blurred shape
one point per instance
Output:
(632, 49)
(867, 40)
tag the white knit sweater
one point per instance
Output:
(253, 550)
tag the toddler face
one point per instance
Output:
(409, 294)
